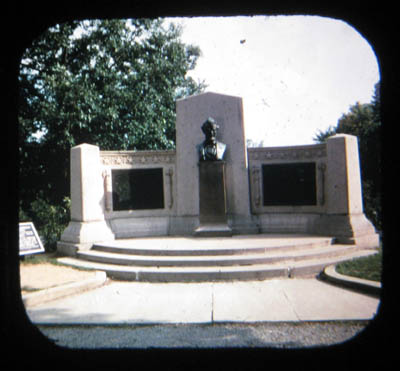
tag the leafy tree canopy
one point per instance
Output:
(112, 83)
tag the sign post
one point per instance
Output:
(29, 240)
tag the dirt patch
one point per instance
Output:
(42, 276)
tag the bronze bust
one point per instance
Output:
(211, 149)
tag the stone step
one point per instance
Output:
(282, 269)
(271, 256)
(189, 246)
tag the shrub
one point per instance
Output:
(50, 220)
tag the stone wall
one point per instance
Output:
(286, 155)
(142, 222)
(337, 210)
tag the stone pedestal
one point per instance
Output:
(87, 223)
(212, 200)
(344, 217)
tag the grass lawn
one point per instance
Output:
(369, 267)
(44, 258)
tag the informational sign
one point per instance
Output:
(29, 240)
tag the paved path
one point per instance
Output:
(162, 303)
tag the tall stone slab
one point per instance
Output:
(227, 111)
(343, 176)
(87, 223)
(344, 216)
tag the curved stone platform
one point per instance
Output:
(192, 259)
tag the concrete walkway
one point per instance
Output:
(150, 303)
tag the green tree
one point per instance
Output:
(363, 121)
(112, 83)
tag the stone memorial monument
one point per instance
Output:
(210, 187)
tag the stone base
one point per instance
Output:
(183, 225)
(87, 233)
(70, 249)
(140, 227)
(348, 229)
(302, 223)
(244, 224)
(213, 230)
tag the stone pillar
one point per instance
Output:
(343, 177)
(227, 111)
(87, 223)
(344, 217)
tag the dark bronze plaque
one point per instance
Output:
(212, 192)
(289, 184)
(138, 189)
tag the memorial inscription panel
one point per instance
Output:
(138, 189)
(212, 192)
(290, 184)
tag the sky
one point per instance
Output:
(296, 74)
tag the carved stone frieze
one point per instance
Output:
(111, 158)
(287, 153)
